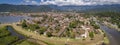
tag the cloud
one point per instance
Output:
(73, 2)
(27, 1)
(34, 2)
(30, 2)
(80, 2)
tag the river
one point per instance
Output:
(112, 34)
(14, 33)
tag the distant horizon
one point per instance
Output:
(60, 2)
(57, 5)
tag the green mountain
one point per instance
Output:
(47, 8)
(24, 8)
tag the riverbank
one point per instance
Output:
(6, 36)
(20, 38)
(111, 26)
(112, 34)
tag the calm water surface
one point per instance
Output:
(12, 19)
(112, 34)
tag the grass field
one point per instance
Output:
(25, 42)
(5, 37)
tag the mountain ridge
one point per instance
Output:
(47, 8)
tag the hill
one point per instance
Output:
(47, 8)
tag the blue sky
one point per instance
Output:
(17, 1)
(60, 2)
(11, 1)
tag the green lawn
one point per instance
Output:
(4, 32)
(5, 37)
(7, 40)
(26, 43)
(106, 41)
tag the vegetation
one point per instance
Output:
(32, 27)
(112, 17)
(49, 34)
(119, 25)
(42, 29)
(4, 32)
(75, 23)
(25, 42)
(24, 8)
(106, 40)
(7, 40)
(5, 37)
(94, 25)
(24, 25)
(91, 34)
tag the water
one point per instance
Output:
(12, 19)
(14, 33)
(112, 34)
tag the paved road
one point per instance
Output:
(113, 35)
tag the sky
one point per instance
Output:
(60, 2)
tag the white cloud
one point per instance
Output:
(31, 2)
(34, 2)
(73, 2)
(80, 2)
(27, 0)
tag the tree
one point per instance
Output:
(73, 24)
(119, 25)
(91, 34)
(24, 24)
(96, 26)
(42, 30)
(49, 34)
(33, 26)
(72, 34)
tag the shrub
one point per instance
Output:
(42, 30)
(49, 34)
(24, 25)
(119, 25)
(91, 34)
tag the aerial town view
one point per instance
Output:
(59, 22)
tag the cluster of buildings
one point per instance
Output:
(58, 24)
